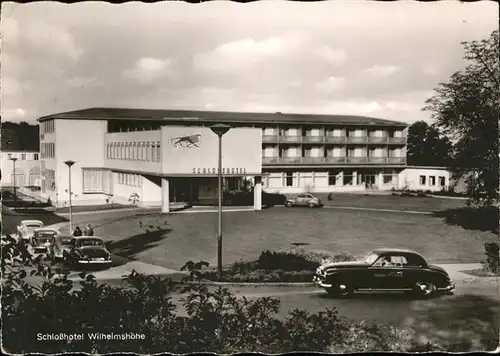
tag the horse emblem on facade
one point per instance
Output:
(186, 141)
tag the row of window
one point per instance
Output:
(47, 127)
(333, 178)
(332, 132)
(24, 156)
(135, 151)
(432, 181)
(133, 180)
(48, 150)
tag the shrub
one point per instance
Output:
(492, 251)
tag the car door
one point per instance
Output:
(300, 199)
(385, 273)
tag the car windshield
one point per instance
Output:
(370, 258)
(65, 241)
(91, 242)
(42, 239)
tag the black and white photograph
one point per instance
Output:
(269, 176)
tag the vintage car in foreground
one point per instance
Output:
(26, 229)
(58, 245)
(41, 239)
(384, 270)
(304, 200)
(87, 250)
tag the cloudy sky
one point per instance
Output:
(368, 58)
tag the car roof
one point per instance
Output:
(384, 251)
(83, 237)
(51, 229)
(31, 222)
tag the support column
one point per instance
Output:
(165, 195)
(380, 180)
(354, 178)
(257, 193)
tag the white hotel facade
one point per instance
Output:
(166, 156)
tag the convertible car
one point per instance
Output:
(87, 250)
(42, 238)
(384, 270)
(26, 229)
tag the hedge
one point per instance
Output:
(296, 265)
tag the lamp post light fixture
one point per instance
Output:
(69, 164)
(14, 159)
(220, 130)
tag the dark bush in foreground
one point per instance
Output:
(206, 319)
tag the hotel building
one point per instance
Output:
(166, 155)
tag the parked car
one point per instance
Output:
(384, 270)
(26, 229)
(304, 200)
(58, 245)
(42, 238)
(87, 250)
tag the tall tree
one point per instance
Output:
(427, 147)
(467, 109)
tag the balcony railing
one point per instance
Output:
(374, 139)
(270, 138)
(332, 160)
(313, 139)
(292, 139)
(397, 140)
(335, 139)
(354, 139)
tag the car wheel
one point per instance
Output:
(340, 289)
(424, 289)
(311, 205)
(288, 204)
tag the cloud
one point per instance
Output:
(334, 56)
(245, 53)
(147, 70)
(330, 85)
(50, 38)
(381, 70)
(14, 114)
(11, 86)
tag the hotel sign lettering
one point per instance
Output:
(216, 170)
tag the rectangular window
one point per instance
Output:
(348, 178)
(432, 180)
(134, 156)
(442, 181)
(153, 152)
(332, 178)
(140, 151)
(289, 179)
(23, 157)
(130, 150)
(158, 151)
(92, 180)
(388, 178)
(35, 157)
(422, 180)
(148, 152)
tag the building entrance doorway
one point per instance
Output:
(368, 179)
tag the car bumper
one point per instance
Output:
(90, 262)
(320, 282)
(448, 289)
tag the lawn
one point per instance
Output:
(414, 203)
(171, 240)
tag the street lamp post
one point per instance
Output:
(14, 159)
(220, 130)
(69, 164)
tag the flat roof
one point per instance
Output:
(218, 116)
